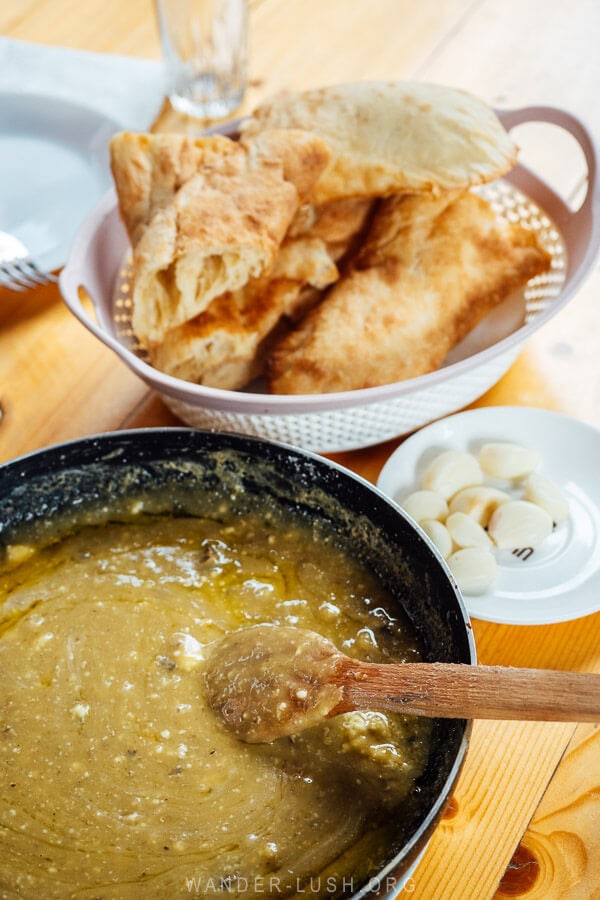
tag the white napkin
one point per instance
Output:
(128, 90)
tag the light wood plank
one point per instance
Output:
(468, 851)
(128, 27)
(298, 44)
(557, 858)
(520, 52)
(57, 381)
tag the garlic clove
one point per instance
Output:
(478, 502)
(450, 472)
(439, 535)
(474, 568)
(545, 493)
(505, 460)
(465, 532)
(422, 505)
(519, 523)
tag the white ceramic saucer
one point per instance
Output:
(561, 579)
(54, 165)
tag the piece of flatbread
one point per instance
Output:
(393, 137)
(226, 346)
(205, 216)
(429, 271)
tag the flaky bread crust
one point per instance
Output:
(428, 273)
(205, 216)
(226, 346)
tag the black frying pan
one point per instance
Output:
(96, 479)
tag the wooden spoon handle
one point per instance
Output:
(454, 690)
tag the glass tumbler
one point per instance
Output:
(205, 49)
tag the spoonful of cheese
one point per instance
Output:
(268, 681)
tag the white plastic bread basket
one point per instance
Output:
(343, 421)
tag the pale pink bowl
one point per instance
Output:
(342, 421)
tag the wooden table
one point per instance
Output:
(525, 818)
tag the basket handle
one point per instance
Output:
(70, 282)
(584, 222)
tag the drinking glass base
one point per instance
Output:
(212, 108)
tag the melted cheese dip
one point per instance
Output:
(119, 782)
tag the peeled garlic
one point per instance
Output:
(519, 523)
(478, 502)
(504, 460)
(425, 505)
(545, 493)
(474, 569)
(439, 535)
(452, 471)
(465, 532)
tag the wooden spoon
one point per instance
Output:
(268, 681)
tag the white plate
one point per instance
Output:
(561, 579)
(54, 165)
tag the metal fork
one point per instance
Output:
(18, 272)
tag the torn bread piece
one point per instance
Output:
(226, 346)
(204, 216)
(393, 137)
(428, 273)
